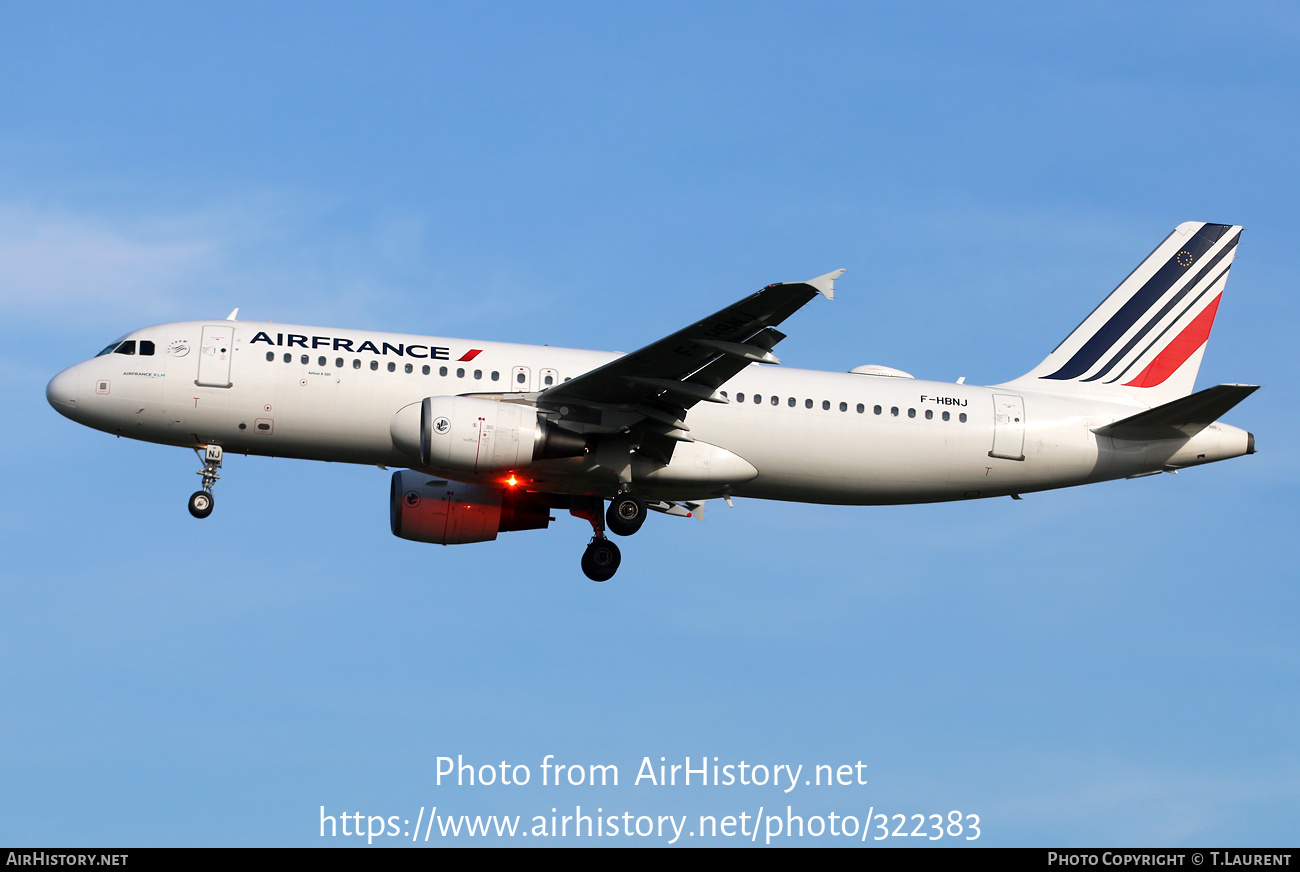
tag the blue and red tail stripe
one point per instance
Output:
(1143, 301)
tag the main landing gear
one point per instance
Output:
(625, 516)
(601, 559)
(626, 513)
(202, 501)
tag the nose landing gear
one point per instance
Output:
(202, 501)
(201, 504)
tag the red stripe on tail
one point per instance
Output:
(1177, 352)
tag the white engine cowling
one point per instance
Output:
(480, 436)
(425, 509)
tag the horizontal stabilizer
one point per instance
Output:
(1180, 419)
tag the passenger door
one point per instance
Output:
(214, 357)
(1008, 427)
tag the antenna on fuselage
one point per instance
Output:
(233, 313)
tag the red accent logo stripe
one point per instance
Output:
(470, 355)
(1177, 352)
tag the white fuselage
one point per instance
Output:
(847, 438)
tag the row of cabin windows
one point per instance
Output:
(844, 407)
(305, 359)
(496, 376)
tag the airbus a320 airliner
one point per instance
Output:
(495, 436)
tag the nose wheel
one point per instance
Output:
(202, 501)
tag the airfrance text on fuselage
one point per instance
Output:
(333, 343)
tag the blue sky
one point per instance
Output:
(1103, 666)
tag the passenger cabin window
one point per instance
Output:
(270, 355)
(374, 365)
(826, 405)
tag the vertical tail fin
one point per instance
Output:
(1145, 341)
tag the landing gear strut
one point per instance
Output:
(601, 559)
(202, 501)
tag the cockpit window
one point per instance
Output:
(127, 346)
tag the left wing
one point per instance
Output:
(647, 393)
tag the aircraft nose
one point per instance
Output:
(62, 391)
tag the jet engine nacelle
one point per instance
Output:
(426, 509)
(480, 436)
